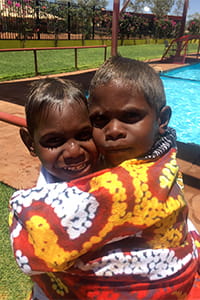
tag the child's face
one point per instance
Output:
(125, 126)
(63, 142)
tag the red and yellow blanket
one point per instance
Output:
(120, 233)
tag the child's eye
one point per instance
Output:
(99, 121)
(53, 142)
(130, 117)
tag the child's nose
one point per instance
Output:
(114, 130)
(71, 149)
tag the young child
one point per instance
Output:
(59, 131)
(122, 232)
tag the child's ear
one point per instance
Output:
(27, 140)
(164, 117)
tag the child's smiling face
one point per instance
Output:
(63, 142)
(125, 125)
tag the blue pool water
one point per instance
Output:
(182, 88)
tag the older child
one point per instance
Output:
(127, 238)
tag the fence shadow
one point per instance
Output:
(17, 91)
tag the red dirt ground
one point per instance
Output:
(18, 168)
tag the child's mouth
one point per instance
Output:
(75, 168)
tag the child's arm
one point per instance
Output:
(54, 225)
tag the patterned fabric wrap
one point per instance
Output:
(120, 233)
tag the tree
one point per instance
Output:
(90, 3)
(178, 7)
(86, 12)
(157, 7)
(194, 16)
(161, 8)
(137, 6)
(75, 16)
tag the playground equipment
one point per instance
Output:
(177, 51)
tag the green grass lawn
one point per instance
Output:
(14, 65)
(21, 64)
(14, 285)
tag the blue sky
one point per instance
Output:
(194, 6)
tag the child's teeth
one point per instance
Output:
(75, 168)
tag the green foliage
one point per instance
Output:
(134, 26)
(131, 25)
(73, 16)
(14, 285)
(165, 28)
(194, 26)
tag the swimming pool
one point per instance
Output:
(182, 88)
